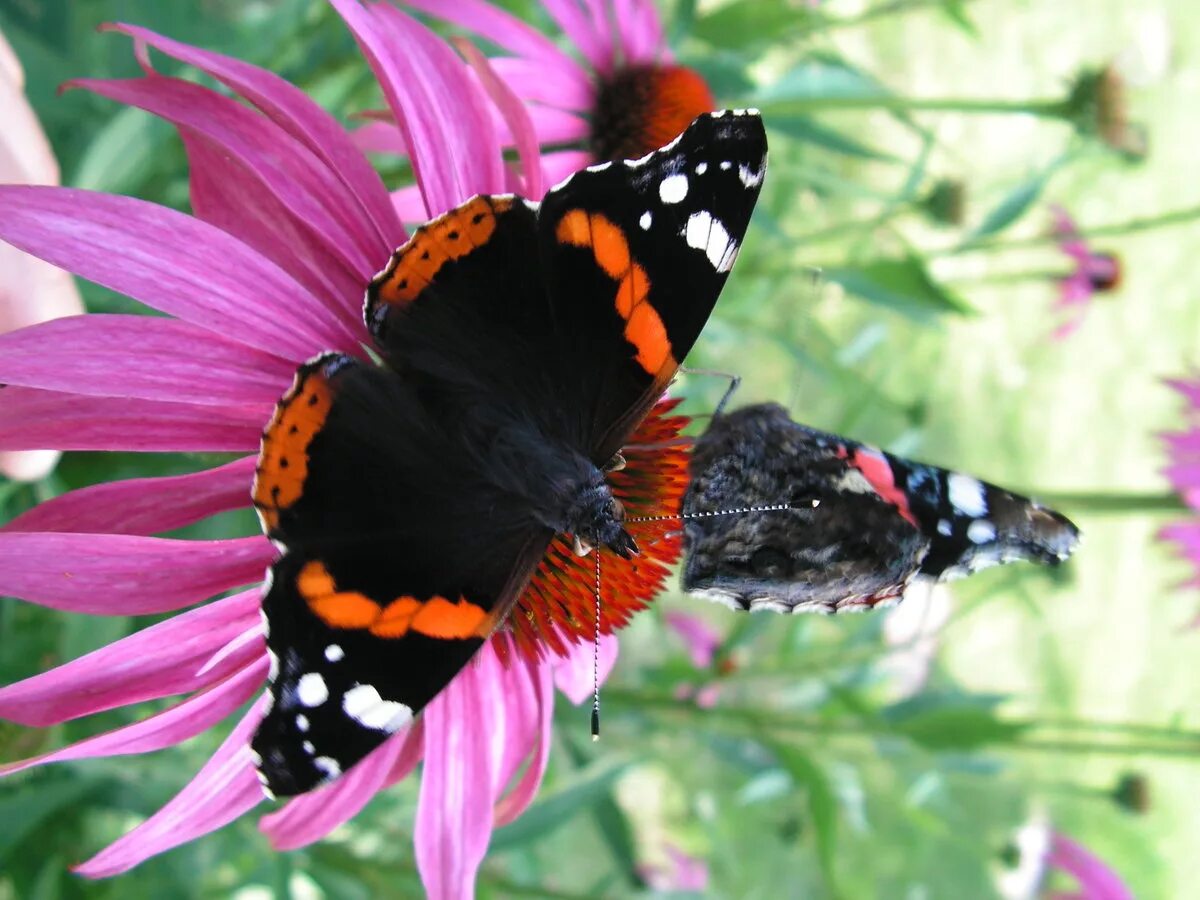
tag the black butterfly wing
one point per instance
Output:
(880, 522)
(851, 551)
(642, 248)
(388, 582)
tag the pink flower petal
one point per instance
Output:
(517, 801)
(514, 117)
(303, 119)
(147, 357)
(304, 186)
(580, 29)
(558, 165)
(1096, 879)
(553, 126)
(172, 726)
(700, 638)
(380, 137)
(173, 263)
(303, 820)
(1189, 389)
(454, 808)
(573, 674)
(32, 419)
(226, 194)
(502, 28)
(640, 28)
(159, 661)
(225, 787)
(143, 505)
(455, 156)
(121, 575)
(570, 89)
(30, 290)
(410, 204)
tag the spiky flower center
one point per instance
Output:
(642, 107)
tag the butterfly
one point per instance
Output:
(520, 345)
(878, 522)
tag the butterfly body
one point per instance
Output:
(879, 521)
(522, 344)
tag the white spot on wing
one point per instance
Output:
(301, 722)
(309, 748)
(703, 232)
(311, 689)
(944, 527)
(645, 220)
(328, 766)
(673, 188)
(966, 495)
(750, 179)
(726, 165)
(334, 653)
(701, 168)
(363, 704)
(981, 531)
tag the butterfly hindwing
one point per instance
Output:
(880, 520)
(380, 595)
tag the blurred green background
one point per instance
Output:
(866, 315)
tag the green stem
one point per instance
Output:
(895, 7)
(1134, 728)
(1114, 229)
(1006, 277)
(1099, 502)
(1036, 745)
(1051, 109)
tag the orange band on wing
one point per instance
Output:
(448, 237)
(283, 457)
(435, 617)
(644, 327)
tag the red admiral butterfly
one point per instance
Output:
(522, 344)
(880, 520)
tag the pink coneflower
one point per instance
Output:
(680, 873)
(1041, 851)
(1183, 471)
(1094, 272)
(620, 97)
(291, 223)
(702, 642)
(30, 290)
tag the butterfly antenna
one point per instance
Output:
(774, 507)
(734, 381)
(596, 658)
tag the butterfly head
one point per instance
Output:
(597, 518)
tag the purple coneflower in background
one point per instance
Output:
(1183, 471)
(1094, 272)
(621, 99)
(30, 290)
(290, 224)
(1040, 851)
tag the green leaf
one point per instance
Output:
(819, 78)
(748, 23)
(903, 285)
(122, 154)
(24, 810)
(552, 811)
(822, 807)
(956, 12)
(809, 130)
(952, 722)
(1014, 204)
